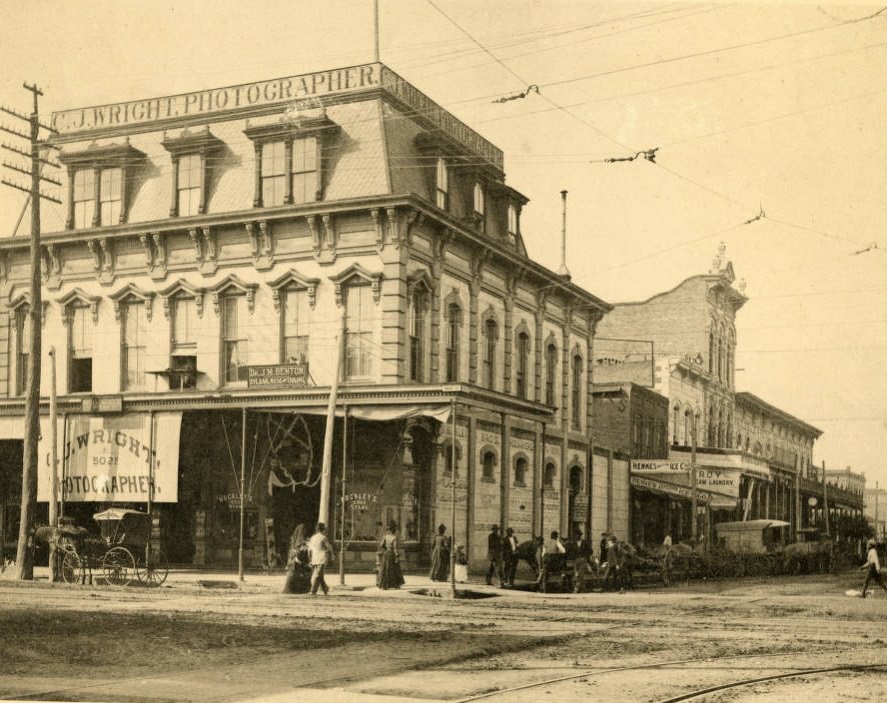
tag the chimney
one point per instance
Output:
(564, 271)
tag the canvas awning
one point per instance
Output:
(377, 413)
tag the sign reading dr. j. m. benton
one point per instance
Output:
(108, 458)
(340, 80)
(277, 376)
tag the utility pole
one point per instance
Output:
(693, 506)
(24, 560)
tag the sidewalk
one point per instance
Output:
(264, 582)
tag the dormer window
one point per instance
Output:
(97, 184)
(512, 221)
(191, 154)
(442, 185)
(84, 199)
(289, 157)
(479, 205)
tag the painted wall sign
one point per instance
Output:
(216, 100)
(107, 458)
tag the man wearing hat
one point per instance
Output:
(874, 568)
(494, 556)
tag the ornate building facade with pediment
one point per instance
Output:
(214, 253)
(753, 460)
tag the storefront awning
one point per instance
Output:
(376, 413)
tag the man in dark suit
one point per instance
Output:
(580, 562)
(509, 557)
(494, 556)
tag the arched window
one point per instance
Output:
(550, 373)
(576, 393)
(488, 462)
(442, 185)
(688, 428)
(454, 327)
(523, 354)
(417, 316)
(712, 350)
(448, 458)
(676, 424)
(575, 479)
(491, 335)
(549, 476)
(722, 356)
(520, 471)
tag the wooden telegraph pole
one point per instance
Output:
(24, 559)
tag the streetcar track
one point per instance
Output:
(774, 677)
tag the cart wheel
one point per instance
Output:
(119, 566)
(155, 571)
(71, 567)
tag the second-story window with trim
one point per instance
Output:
(488, 472)
(523, 355)
(235, 353)
(359, 308)
(549, 476)
(442, 185)
(520, 471)
(454, 335)
(22, 348)
(183, 364)
(189, 185)
(134, 345)
(491, 335)
(80, 350)
(111, 196)
(550, 373)
(295, 326)
(84, 192)
(274, 173)
(416, 325)
(576, 394)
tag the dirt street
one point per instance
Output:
(786, 637)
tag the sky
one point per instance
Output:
(773, 107)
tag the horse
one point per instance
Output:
(528, 552)
(621, 557)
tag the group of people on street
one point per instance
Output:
(307, 561)
(501, 557)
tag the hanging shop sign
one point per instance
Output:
(659, 466)
(278, 376)
(109, 458)
(666, 488)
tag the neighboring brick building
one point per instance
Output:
(752, 458)
(630, 421)
(212, 250)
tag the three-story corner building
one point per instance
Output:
(217, 249)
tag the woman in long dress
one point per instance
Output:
(298, 568)
(390, 575)
(440, 555)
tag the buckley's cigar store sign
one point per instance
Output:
(204, 102)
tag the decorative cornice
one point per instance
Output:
(291, 280)
(356, 271)
(132, 292)
(232, 281)
(78, 296)
(182, 289)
